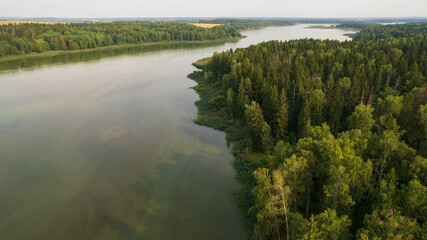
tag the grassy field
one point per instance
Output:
(202, 62)
(2, 22)
(205, 25)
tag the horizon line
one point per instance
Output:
(229, 17)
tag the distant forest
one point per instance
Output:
(18, 39)
(27, 38)
(359, 25)
(330, 137)
(243, 24)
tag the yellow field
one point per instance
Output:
(205, 25)
(20, 22)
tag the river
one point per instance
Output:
(102, 145)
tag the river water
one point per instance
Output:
(102, 145)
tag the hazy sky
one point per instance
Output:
(213, 8)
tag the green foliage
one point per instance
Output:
(415, 200)
(267, 216)
(422, 114)
(217, 102)
(243, 24)
(335, 133)
(266, 138)
(282, 116)
(418, 169)
(388, 224)
(328, 225)
(362, 118)
(390, 105)
(26, 38)
(392, 31)
(360, 25)
(258, 130)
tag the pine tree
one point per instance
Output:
(282, 116)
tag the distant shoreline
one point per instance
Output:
(61, 52)
(331, 27)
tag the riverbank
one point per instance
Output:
(208, 115)
(56, 53)
(301, 146)
(202, 62)
(124, 116)
(244, 162)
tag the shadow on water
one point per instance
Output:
(194, 131)
(33, 62)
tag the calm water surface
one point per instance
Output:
(102, 145)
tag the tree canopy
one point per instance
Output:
(17, 39)
(348, 122)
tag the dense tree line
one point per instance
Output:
(16, 39)
(335, 134)
(243, 24)
(391, 31)
(359, 25)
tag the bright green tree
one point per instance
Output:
(362, 118)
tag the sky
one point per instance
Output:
(213, 8)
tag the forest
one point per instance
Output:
(19, 39)
(407, 31)
(330, 137)
(359, 25)
(244, 24)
